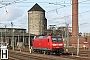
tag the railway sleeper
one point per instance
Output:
(31, 56)
(17, 58)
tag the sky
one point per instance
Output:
(57, 12)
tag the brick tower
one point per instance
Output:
(74, 18)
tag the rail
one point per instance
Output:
(22, 56)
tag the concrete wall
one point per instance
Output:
(36, 22)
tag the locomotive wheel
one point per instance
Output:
(48, 53)
(41, 52)
(57, 52)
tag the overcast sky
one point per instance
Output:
(57, 13)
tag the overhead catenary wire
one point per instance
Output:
(66, 6)
(18, 1)
(69, 15)
(42, 2)
(48, 2)
(15, 1)
(39, 2)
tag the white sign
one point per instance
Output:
(4, 53)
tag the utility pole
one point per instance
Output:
(1, 38)
(67, 36)
(18, 38)
(5, 33)
(12, 36)
(78, 42)
(53, 28)
(29, 43)
(23, 38)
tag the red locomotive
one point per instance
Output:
(48, 44)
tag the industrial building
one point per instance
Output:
(37, 23)
(14, 35)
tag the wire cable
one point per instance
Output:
(66, 6)
(70, 15)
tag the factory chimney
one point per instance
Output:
(74, 18)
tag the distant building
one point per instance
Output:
(9, 30)
(83, 41)
(61, 31)
(86, 34)
(9, 35)
(37, 23)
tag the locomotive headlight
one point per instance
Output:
(60, 44)
(54, 44)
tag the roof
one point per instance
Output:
(17, 34)
(73, 40)
(36, 7)
(14, 28)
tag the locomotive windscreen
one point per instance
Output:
(56, 39)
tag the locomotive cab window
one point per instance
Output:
(59, 39)
(56, 39)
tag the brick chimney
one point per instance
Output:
(74, 18)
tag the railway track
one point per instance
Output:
(22, 56)
(15, 55)
(15, 58)
(82, 51)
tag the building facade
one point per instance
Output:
(12, 36)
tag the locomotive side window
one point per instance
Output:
(48, 40)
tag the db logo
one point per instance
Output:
(4, 53)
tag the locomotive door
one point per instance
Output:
(48, 44)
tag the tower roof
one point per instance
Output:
(36, 7)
